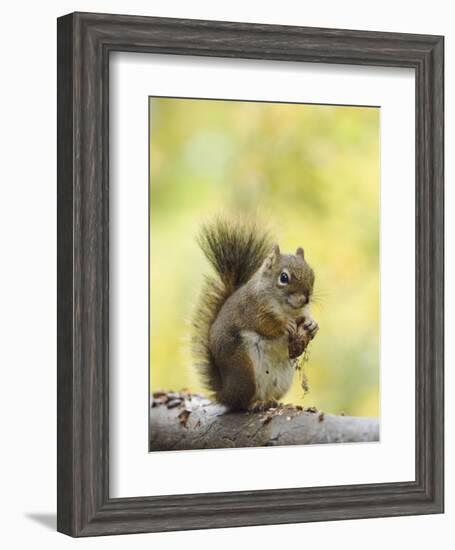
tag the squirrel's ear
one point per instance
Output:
(299, 252)
(272, 258)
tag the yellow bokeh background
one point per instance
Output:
(310, 174)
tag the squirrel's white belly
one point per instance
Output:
(273, 368)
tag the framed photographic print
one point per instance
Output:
(250, 274)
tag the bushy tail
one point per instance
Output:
(236, 251)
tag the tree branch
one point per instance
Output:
(189, 421)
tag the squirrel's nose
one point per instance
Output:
(299, 300)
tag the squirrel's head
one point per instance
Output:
(290, 278)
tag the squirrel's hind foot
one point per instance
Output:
(262, 406)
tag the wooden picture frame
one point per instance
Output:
(84, 44)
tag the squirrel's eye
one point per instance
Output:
(283, 279)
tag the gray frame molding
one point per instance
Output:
(84, 43)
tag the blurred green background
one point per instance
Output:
(309, 173)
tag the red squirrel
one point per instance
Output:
(253, 319)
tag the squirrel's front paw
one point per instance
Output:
(291, 328)
(311, 327)
(299, 339)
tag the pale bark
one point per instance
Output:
(184, 421)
